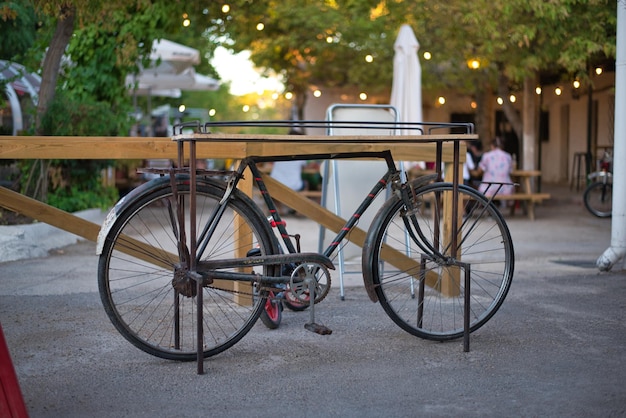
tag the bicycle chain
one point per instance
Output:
(239, 292)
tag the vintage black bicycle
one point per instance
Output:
(188, 261)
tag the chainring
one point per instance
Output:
(302, 276)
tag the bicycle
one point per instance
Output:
(174, 253)
(598, 196)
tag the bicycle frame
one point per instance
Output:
(204, 272)
(390, 177)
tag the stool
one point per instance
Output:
(578, 165)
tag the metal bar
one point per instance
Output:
(417, 126)
(420, 293)
(466, 308)
(193, 255)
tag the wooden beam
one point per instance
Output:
(48, 214)
(70, 147)
(333, 222)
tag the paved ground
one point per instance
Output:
(556, 348)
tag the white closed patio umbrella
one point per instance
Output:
(406, 88)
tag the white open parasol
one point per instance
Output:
(170, 71)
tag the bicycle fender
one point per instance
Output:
(368, 246)
(600, 175)
(138, 193)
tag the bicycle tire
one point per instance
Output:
(435, 310)
(137, 290)
(272, 314)
(598, 198)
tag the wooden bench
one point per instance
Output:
(528, 200)
(312, 194)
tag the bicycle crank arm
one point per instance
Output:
(312, 325)
(266, 260)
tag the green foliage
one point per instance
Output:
(18, 25)
(76, 197)
(325, 41)
(76, 184)
(81, 116)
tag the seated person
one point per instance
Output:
(495, 167)
(289, 173)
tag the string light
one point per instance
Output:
(212, 112)
(317, 93)
(289, 95)
(576, 84)
(363, 96)
(369, 58)
(598, 70)
(260, 26)
(245, 108)
(427, 55)
(441, 100)
(558, 91)
(538, 90)
(473, 64)
(182, 108)
(512, 98)
(500, 101)
(225, 8)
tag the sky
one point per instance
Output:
(239, 70)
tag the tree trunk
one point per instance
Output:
(52, 61)
(300, 98)
(509, 111)
(529, 138)
(484, 115)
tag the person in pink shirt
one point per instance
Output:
(495, 167)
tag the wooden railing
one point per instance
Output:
(232, 146)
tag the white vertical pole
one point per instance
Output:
(617, 250)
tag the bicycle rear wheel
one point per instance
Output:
(423, 290)
(143, 287)
(598, 198)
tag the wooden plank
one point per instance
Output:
(69, 147)
(333, 222)
(133, 148)
(523, 196)
(48, 214)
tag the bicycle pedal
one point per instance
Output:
(317, 328)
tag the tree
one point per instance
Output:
(18, 25)
(310, 42)
(98, 42)
(131, 26)
(325, 41)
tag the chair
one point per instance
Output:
(577, 167)
(341, 178)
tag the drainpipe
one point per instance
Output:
(617, 250)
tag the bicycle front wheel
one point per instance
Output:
(598, 198)
(144, 290)
(417, 278)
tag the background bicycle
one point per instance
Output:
(598, 196)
